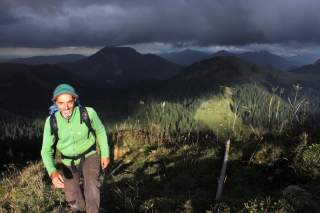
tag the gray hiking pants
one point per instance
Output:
(91, 200)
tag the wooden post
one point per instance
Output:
(223, 171)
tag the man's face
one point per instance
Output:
(65, 104)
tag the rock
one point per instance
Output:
(294, 190)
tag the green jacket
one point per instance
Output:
(73, 138)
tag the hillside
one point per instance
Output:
(26, 89)
(262, 59)
(53, 59)
(18, 80)
(304, 59)
(118, 65)
(148, 175)
(167, 152)
(308, 69)
(186, 57)
(228, 70)
(205, 76)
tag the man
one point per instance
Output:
(77, 145)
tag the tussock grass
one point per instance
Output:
(261, 109)
(29, 190)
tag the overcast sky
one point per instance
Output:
(83, 26)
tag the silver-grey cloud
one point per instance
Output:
(54, 23)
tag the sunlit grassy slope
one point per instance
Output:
(217, 114)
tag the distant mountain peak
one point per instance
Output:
(122, 65)
(223, 52)
(190, 51)
(113, 49)
(186, 57)
(310, 68)
(219, 67)
(261, 58)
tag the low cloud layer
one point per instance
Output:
(58, 23)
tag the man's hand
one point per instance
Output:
(104, 162)
(57, 180)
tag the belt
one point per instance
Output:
(81, 156)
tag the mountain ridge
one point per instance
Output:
(260, 58)
(308, 69)
(51, 59)
(186, 57)
(121, 65)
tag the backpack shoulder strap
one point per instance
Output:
(54, 132)
(84, 117)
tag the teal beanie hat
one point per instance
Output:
(64, 88)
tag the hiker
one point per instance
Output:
(74, 130)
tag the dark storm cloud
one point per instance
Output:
(55, 23)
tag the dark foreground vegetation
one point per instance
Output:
(167, 156)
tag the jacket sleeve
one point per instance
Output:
(47, 149)
(101, 133)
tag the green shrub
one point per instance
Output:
(267, 153)
(159, 204)
(267, 205)
(307, 160)
(220, 207)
